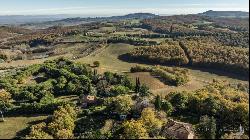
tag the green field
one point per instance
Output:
(109, 58)
(110, 62)
(14, 125)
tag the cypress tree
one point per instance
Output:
(158, 102)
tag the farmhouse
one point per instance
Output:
(178, 130)
(85, 100)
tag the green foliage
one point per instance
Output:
(96, 63)
(38, 132)
(170, 53)
(207, 52)
(127, 82)
(58, 77)
(147, 126)
(234, 136)
(144, 91)
(135, 130)
(158, 102)
(5, 98)
(207, 127)
(228, 106)
(179, 101)
(151, 122)
(109, 76)
(60, 127)
(167, 107)
(123, 104)
(131, 40)
(119, 90)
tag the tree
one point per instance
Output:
(119, 90)
(4, 100)
(137, 85)
(61, 83)
(211, 106)
(179, 101)
(127, 82)
(134, 129)
(151, 122)
(4, 96)
(96, 63)
(234, 136)
(123, 104)
(64, 134)
(48, 99)
(38, 132)
(144, 91)
(207, 127)
(70, 87)
(63, 122)
(167, 107)
(108, 76)
(212, 126)
(158, 102)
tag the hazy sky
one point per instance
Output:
(117, 7)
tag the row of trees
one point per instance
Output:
(240, 39)
(175, 25)
(229, 31)
(170, 53)
(206, 52)
(196, 51)
(131, 40)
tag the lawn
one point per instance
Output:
(15, 125)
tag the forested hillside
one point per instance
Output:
(138, 76)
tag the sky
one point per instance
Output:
(117, 7)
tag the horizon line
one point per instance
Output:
(110, 15)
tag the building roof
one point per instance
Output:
(178, 129)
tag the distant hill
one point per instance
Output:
(82, 20)
(237, 14)
(135, 16)
(129, 16)
(64, 19)
(22, 19)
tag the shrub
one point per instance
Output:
(96, 63)
(119, 90)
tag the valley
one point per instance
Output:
(106, 78)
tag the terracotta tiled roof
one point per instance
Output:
(178, 129)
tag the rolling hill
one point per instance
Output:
(237, 14)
